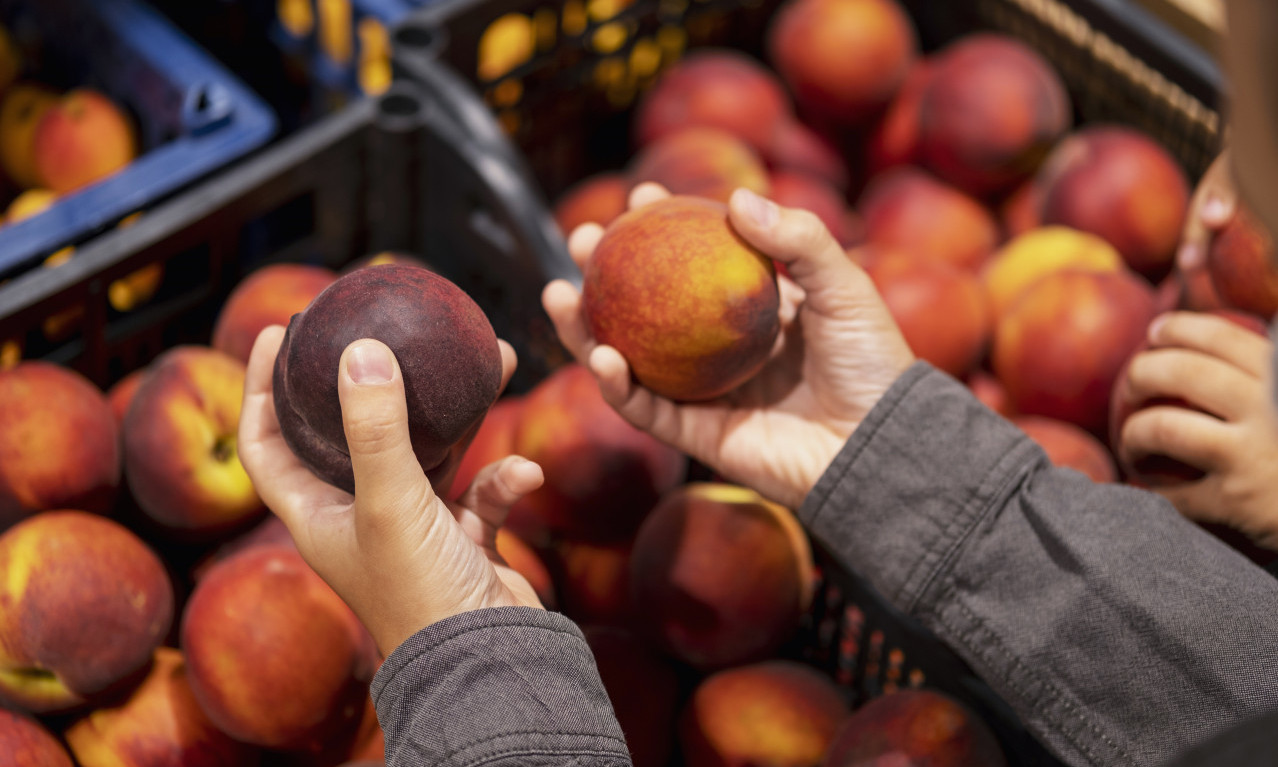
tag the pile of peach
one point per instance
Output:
(1018, 252)
(54, 143)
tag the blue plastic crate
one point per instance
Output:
(192, 116)
(344, 44)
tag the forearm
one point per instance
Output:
(1118, 631)
(502, 686)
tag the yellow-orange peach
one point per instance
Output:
(1242, 266)
(715, 88)
(274, 657)
(1021, 263)
(596, 200)
(685, 300)
(523, 560)
(21, 111)
(702, 162)
(910, 210)
(1021, 211)
(269, 296)
(843, 59)
(644, 690)
(798, 148)
(120, 396)
(85, 604)
(720, 575)
(494, 441)
(915, 727)
(779, 713)
(26, 743)
(59, 445)
(179, 444)
(1070, 447)
(82, 138)
(993, 110)
(895, 139)
(594, 581)
(159, 723)
(602, 474)
(1122, 186)
(810, 193)
(1060, 346)
(991, 393)
(942, 311)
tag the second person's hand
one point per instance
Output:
(839, 351)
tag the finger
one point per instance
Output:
(797, 238)
(646, 194)
(1214, 336)
(562, 303)
(1206, 382)
(582, 242)
(1213, 205)
(509, 361)
(388, 478)
(500, 485)
(644, 409)
(1184, 435)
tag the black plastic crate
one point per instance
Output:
(391, 173)
(567, 107)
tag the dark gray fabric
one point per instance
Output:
(502, 686)
(1120, 632)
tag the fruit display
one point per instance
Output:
(166, 617)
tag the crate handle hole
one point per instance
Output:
(208, 107)
(400, 105)
(419, 37)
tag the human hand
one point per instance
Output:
(838, 352)
(1212, 206)
(1223, 370)
(398, 555)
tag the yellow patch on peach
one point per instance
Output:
(1040, 252)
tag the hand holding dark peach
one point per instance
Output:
(838, 351)
(1227, 440)
(394, 551)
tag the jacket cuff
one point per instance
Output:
(502, 683)
(913, 480)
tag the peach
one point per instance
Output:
(800, 149)
(720, 575)
(59, 446)
(779, 713)
(942, 311)
(598, 199)
(1197, 291)
(991, 393)
(522, 559)
(159, 723)
(702, 162)
(269, 296)
(602, 474)
(269, 532)
(915, 727)
(594, 581)
(714, 88)
(992, 111)
(179, 444)
(447, 353)
(82, 138)
(910, 210)
(274, 657)
(120, 396)
(1122, 186)
(26, 743)
(1244, 270)
(686, 301)
(1021, 211)
(85, 603)
(843, 60)
(1070, 447)
(894, 140)
(644, 691)
(494, 441)
(1060, 346)
(799, 190)
(28, 204)
(1022, 262)
(21, 111)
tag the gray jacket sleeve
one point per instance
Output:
(1119, 632)
(501, 686)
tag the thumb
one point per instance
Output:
(388, 477)
(797, 238)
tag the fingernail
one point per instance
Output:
(1215, 208)
(763, 212)
(1156, 326)
(369, 363)
(1189, 257)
